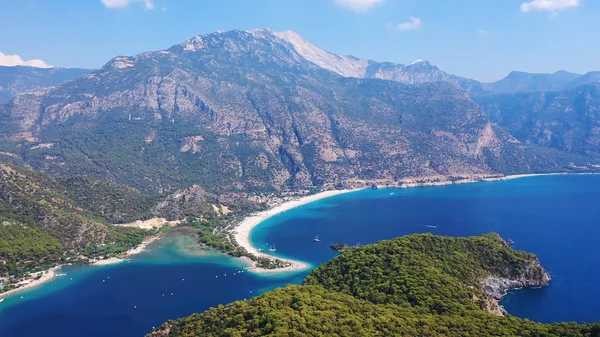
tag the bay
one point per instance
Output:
(555, 217)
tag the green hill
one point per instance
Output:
(418, 285)
(46, 220)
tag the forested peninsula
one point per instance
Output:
(417, 285)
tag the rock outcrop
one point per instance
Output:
(192, 201)
(533, 276)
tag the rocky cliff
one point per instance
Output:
(533, 275)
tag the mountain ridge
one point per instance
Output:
(19, 79)
(243, 111)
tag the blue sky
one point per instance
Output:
(480, 39)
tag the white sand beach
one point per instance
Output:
(242, 231)
(47, 275)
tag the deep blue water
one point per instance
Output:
(555, 217)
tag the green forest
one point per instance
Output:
(45, 220)
(22, 246)
(418, 285)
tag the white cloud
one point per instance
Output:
(549, 5)
(16, 60)
(359, 6)
(412, 24)
(482, 32)
(124, 3)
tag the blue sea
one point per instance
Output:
(555, 217)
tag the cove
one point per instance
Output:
(554, 217)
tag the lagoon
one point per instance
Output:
(554, 217)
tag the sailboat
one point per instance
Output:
(316, 239)
(272, 249)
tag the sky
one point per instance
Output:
(479, 39)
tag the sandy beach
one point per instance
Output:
(242, 231)
(49, 274)
(137, 250)
(46, 276)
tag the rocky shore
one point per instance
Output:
(533, 276)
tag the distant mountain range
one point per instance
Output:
(18, 79)
(252, 111)
(560, 80)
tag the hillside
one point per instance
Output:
(19, 79)
(245, 112)
(45, 219)
(418, 285)
(567, 120)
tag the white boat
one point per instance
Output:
(1, 300)
(272, 249)
(316, 239)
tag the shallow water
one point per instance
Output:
(128, 299)
(554, 217)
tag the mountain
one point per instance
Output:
(589, 78)
(567, 120)
(518, 81)
(417, 285)
(417, 72)
(18, 79)
(242, 111)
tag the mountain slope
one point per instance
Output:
(417, 72)
(243, 111)
(418, 285)
(567, 120)
(46, 220)
(15, 80)
(77, 211)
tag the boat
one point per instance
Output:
(316, 239)
(1, 300)
(260, 249)
(272, 249)
(510, 242)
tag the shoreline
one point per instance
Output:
(241, 233)
(134, 251)
(47, 275)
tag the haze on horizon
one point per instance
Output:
(469, 38)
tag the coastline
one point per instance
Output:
(47, 275)
(134, 251)
(241, 233)
(51, 273)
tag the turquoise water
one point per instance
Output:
(555, 217)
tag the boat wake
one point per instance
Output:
(426, 226)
